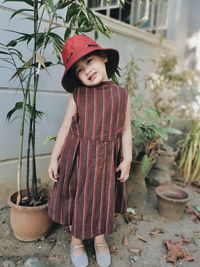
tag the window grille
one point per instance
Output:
(103, 4)
(151, 15)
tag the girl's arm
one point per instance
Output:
(125, 165)
(60, 139)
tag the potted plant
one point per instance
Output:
(175, 91)
(150, 133)
(78, 19)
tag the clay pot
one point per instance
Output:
(171, 201)
(28, 223)
(136, 186)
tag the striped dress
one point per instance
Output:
(88, 194)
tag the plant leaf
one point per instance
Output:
(29, 2)
(17, 106)
(21, 69)
(20, 11)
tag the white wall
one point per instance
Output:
(192, 48)
(52, 98)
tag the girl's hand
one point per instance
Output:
(53, 171)
(124, 168)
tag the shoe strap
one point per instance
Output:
(76, 247)
(101, 245)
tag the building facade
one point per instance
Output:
(137, 31)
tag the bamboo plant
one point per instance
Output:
(78, 19)
(189, 163)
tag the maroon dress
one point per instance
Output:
(87, 194)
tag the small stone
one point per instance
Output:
(8, 263)
(33, 262)
(20, 263)
(136, 258)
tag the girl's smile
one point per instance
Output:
(92, 70)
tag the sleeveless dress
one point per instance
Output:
(87, 194)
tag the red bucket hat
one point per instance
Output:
(78, 46)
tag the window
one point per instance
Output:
(151, 15)
(102, 4)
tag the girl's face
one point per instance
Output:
(92, 70)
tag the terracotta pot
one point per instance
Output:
(136, 186)
(164, 162)
(171, 201)
(28, 223)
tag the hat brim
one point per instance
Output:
(69, 83)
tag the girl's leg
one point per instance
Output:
(76, 242)
(100, 239)
(102, 251)
(77, 252)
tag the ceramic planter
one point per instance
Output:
(28, 223)
(171, 201)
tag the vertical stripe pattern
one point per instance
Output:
(88, 194)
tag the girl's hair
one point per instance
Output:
(72, 70)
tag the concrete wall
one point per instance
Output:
(192, 48)
(52, 99)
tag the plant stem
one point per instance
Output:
(36, 80)
(21, 135)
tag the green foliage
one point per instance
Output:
(49, 138)
(189, 163)
(145, 163)
(130, 76)
(176, 92)
(149, 124)
(19, 106)
(172, 91)
(149, 131)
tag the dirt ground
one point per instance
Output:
(54, 249)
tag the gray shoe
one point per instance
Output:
(80, 260)
(103, 259)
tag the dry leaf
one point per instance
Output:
(193, 215)
(57, 256)
(66, 229)
(144, 218)
(140, 237)
(136, 251)
(175, 252)
(197, 234)
(184, 241)
(156, 231)
(127, 218)
(113, 250)
(133, 231)
(125, 241)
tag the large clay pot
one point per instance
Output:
(28, 223)
(171, 201)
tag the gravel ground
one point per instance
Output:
(54, 249)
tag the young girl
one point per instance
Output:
(92, 154)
